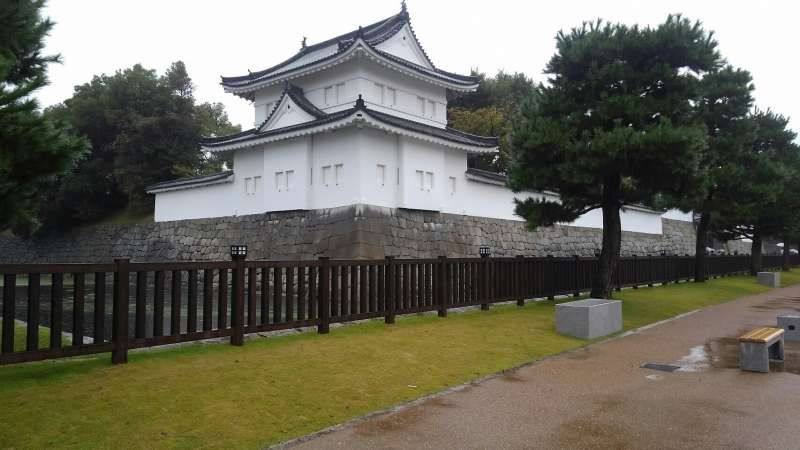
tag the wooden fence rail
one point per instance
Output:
(96, 308)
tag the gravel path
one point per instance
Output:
(600, 397)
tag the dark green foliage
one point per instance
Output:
(615, 125)
(32, 148)
(144, 128)
(761, 195)
(488, 112)
(724, 102)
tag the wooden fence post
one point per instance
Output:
(551, 279)
(119, 334)
(576, 276)
(635, 272)
(323, 298)
(391, 290)
(442, 273)
(650, 271)
(676, 268)
(518, 276)
(485, 282)
(237, 305)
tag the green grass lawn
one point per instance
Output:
(279, 388)
(21, 337)
(790, 278)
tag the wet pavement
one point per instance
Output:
(600, 396)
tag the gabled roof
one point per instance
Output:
(338, 49)
(193, 182)
(358, 115)
(294, 95)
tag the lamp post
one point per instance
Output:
(238, 251)
(238, 255)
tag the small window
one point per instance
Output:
(340, 93)
(381, 174)
(379, 97)
(452, 182)
(339, 169)
(428, 181)
(326, 175)
(289, 177)
(420, 180)
(279, 181)
(421, 105)
(431, 108)
(256, 184)
(248, 185)
(328, 96)
(391, 93)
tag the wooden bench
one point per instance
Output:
(758, 346)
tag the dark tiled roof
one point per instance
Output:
(255, 134)
(190, 182)
(494, 176)
(448, 134)
(297, 95)
(300, 99)
(372, 35)
(378, 31)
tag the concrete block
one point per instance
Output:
(590, 318)
(771, 279)
(791, 327)
(755, 356)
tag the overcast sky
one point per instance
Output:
(229, 37)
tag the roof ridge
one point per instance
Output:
(363, 31)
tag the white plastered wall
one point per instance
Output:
(375, 84)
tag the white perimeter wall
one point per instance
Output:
(359, 152)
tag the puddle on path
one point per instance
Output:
(696, 361)
(781, 303)
(725, 355)
(393, 422)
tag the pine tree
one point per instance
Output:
(32, 148)
(613, 127)
(723, 106)
(761, 187)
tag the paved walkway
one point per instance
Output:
(599, 397)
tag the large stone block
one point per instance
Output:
(590, 318)
(771, 279)
(791, 327)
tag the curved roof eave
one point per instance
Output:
(456, 82)
(354, 116)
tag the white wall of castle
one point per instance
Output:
(382, 89)
(364, 166)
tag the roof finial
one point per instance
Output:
(360, 103)
(360, 32)
(303, 43)
(403, 6)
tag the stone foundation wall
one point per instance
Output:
(358, 231)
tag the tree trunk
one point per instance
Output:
(786, 264)
(612, 240)
(755, 253)
(701, 243)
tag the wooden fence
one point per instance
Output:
(96, 308)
